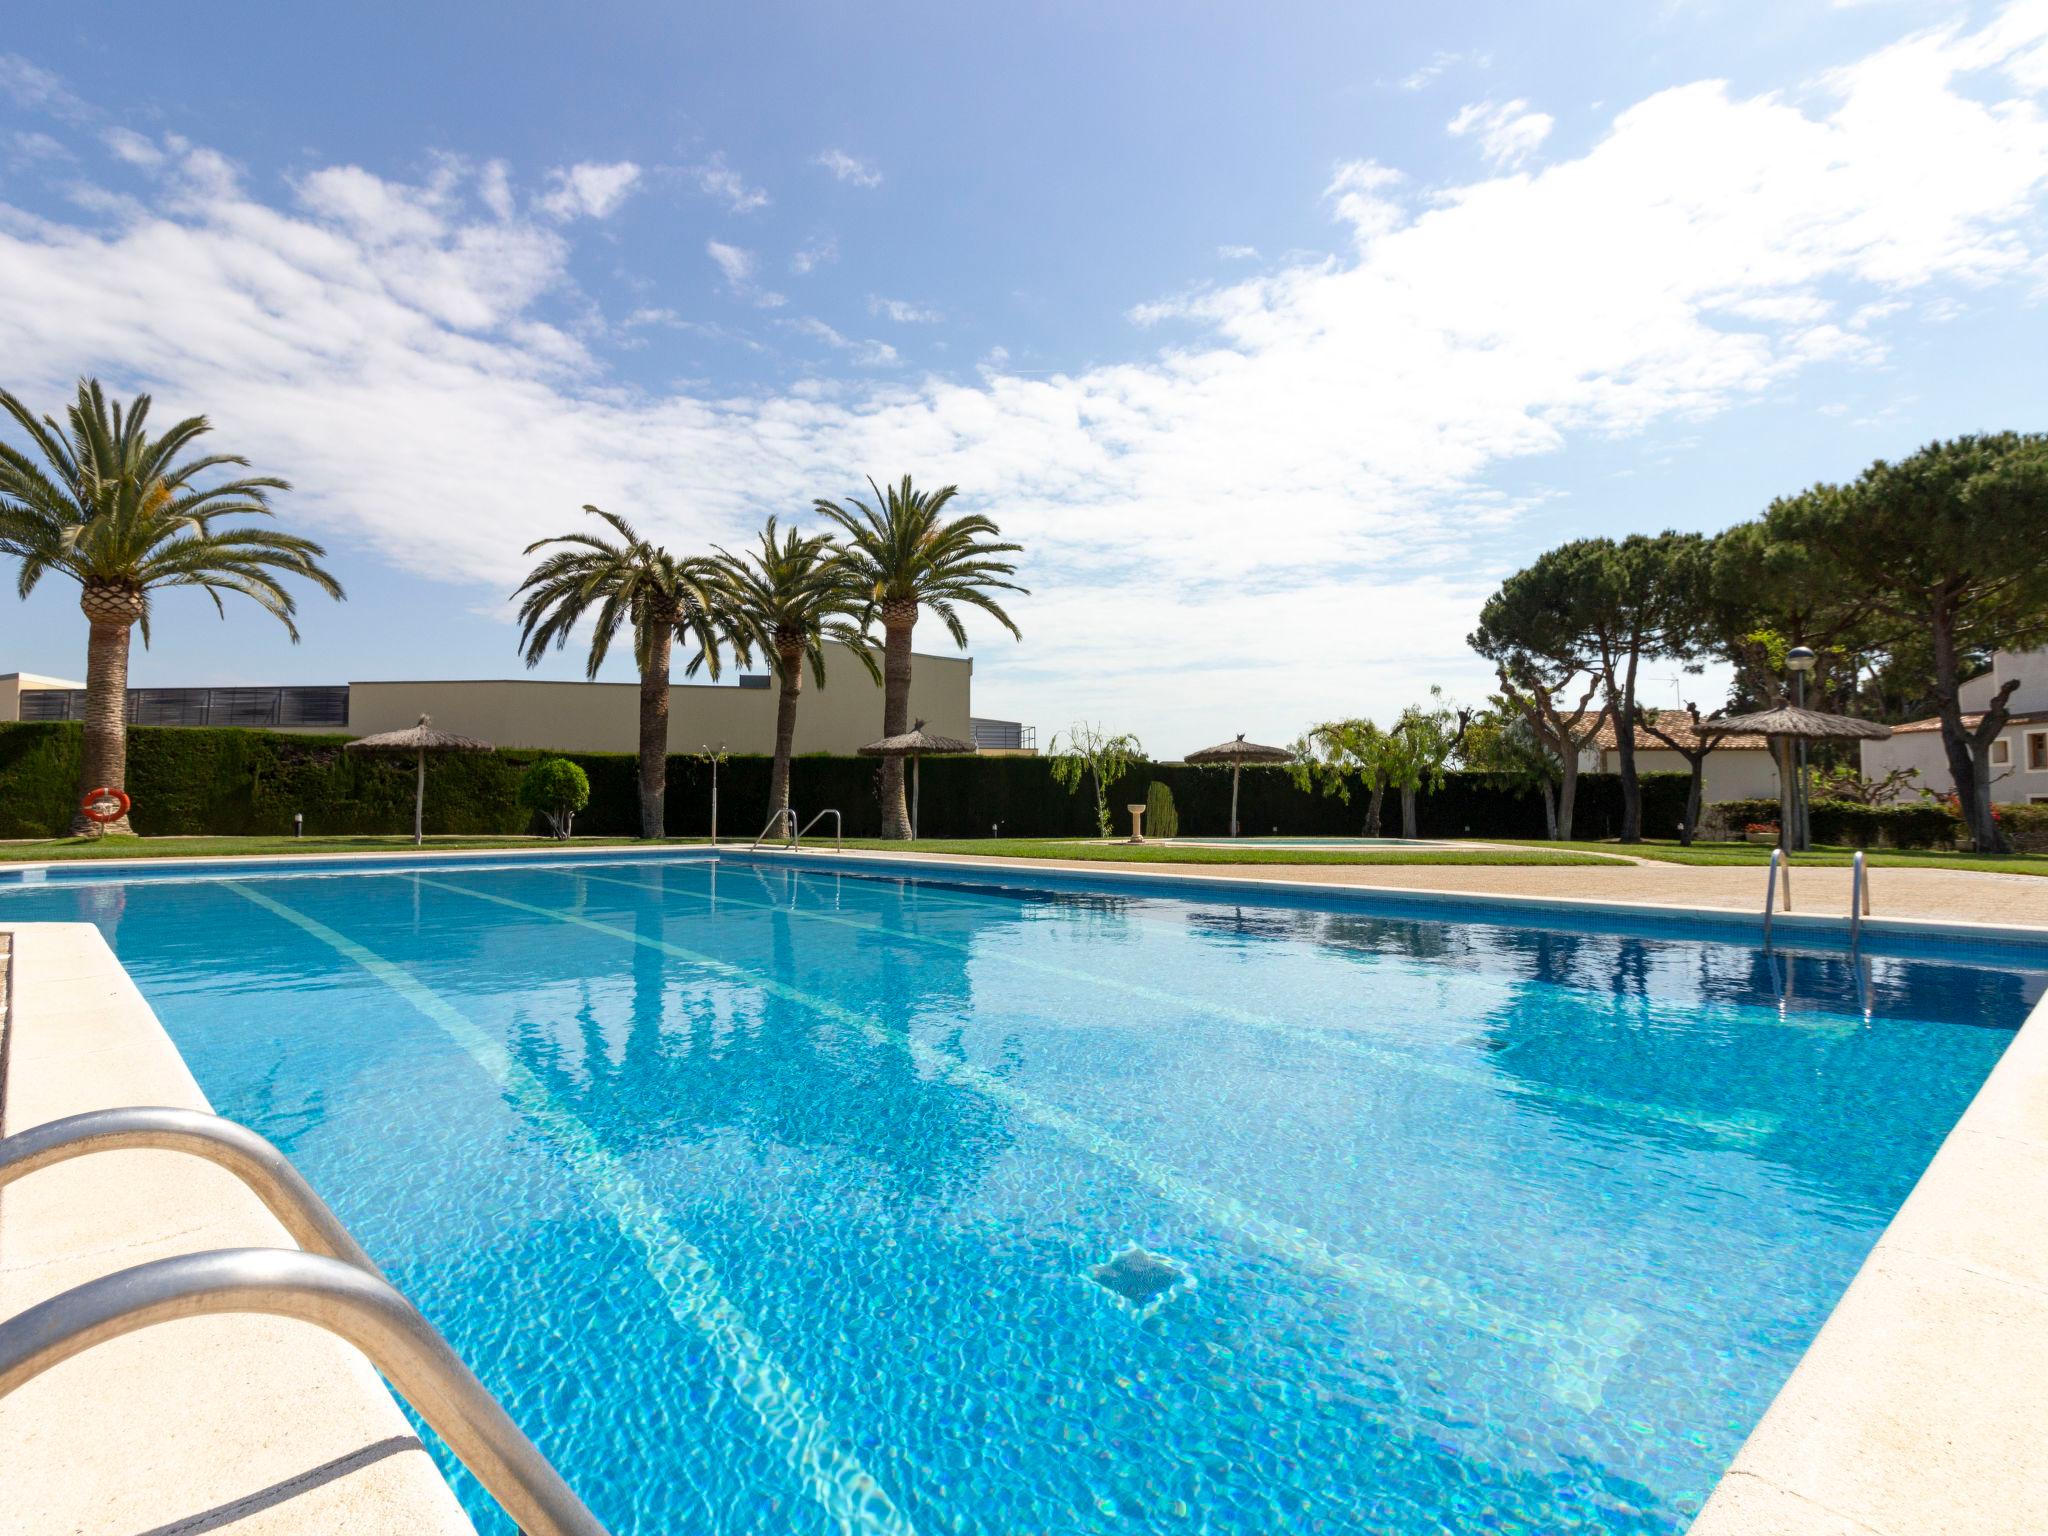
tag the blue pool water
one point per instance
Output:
(772, 1199)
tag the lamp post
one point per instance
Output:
(1799, 661)
(714, 756)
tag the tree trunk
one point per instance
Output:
(1372, 810)
(1695, 793)
(1970, 771)
(419, 797)
(112, 612)
(1549, 794)
(898, 619)
(654, 732)
(1567, 789)
(1407, 811)
(1625, 745)
(791, 659)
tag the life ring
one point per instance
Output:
(104, 804)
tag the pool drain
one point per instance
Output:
(1142, 1281)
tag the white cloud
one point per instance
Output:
(737, 266)
(848, 168)
(35, 89)
(1352, 410)
(814, 255)
(718, 179)
(580, 191)
(1237, 252)
(1426, 75)
(902, 311)
(1508, 132)
(868, 353)
(133, 148)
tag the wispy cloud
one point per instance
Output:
(849, 168)
(35, 89)
(588, 190)
(1439, 64)
(1507, 131)
(867, 353)
(1237, 252)
(902, 311)
(814, 254)
(717, 179)
(737, 265)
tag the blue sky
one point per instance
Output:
(1277, 333)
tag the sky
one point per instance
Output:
(1277, 334)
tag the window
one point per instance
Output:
(2037, 751)
(2001, 753)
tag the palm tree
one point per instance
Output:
(113, 509)
(788, 598)
(901, 553)
(660, 594)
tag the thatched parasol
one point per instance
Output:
(420, 740)
(916, 743)
(1783, 726)
(1237, 753)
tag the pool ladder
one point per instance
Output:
(1780, 880)
(795, 838)
(329, 1282)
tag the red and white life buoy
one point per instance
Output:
(104, 804)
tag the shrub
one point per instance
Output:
(2026, 827)
(1161, 820)
(557, 789)
(1925, 825)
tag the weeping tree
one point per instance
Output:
(102, 502)
(1330, 755)
(903, 554)
(1420, 748)
(1506, 749)
(1092, 755)
(626, 580)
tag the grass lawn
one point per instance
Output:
(40, 851)
(1714, 855)
(1152, 853)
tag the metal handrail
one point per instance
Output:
(1859, 897)
(788, 813)
(1778, 863)
(838, 829)
(344, 1300)
(267, 1172)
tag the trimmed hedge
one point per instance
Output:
(1845, 822)
(201, 780)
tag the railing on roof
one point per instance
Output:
(1003, 736)
(312, 706)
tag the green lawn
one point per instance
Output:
(1709, 855)
(1152, 853)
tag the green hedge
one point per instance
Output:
(1845, 822)
(207, 781)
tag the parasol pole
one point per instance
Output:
(1235, 770)
(916, 787)
(419, 797)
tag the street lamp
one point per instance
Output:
(1799, 661)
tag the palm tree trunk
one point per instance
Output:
(792, 684)
(654, 732)
(112, 612)
(898, 619)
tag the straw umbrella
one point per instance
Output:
(419, 741)
(1786, 726)
(1237, 753)
(915, 743)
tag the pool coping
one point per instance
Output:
(258, 1423)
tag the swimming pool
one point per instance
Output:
(777, 1197)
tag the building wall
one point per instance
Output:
(605, 717)
(14, 684)
(1745, 774)
(2012, 782)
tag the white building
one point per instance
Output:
(1740, 768)
(2019, 756)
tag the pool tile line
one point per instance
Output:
(813, 1449)
(1748, 1128)
(1581, 1356)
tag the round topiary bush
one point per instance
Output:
(556, 789)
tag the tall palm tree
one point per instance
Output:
(628, 581)
(902, 553)
(788, 598)
(115, 510)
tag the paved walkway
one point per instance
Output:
(1951, 895)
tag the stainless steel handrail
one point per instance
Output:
(266, 1171)
(787, 813)
(838, 829)
(1778, 863)
(1859, 897)
(346, 1301)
